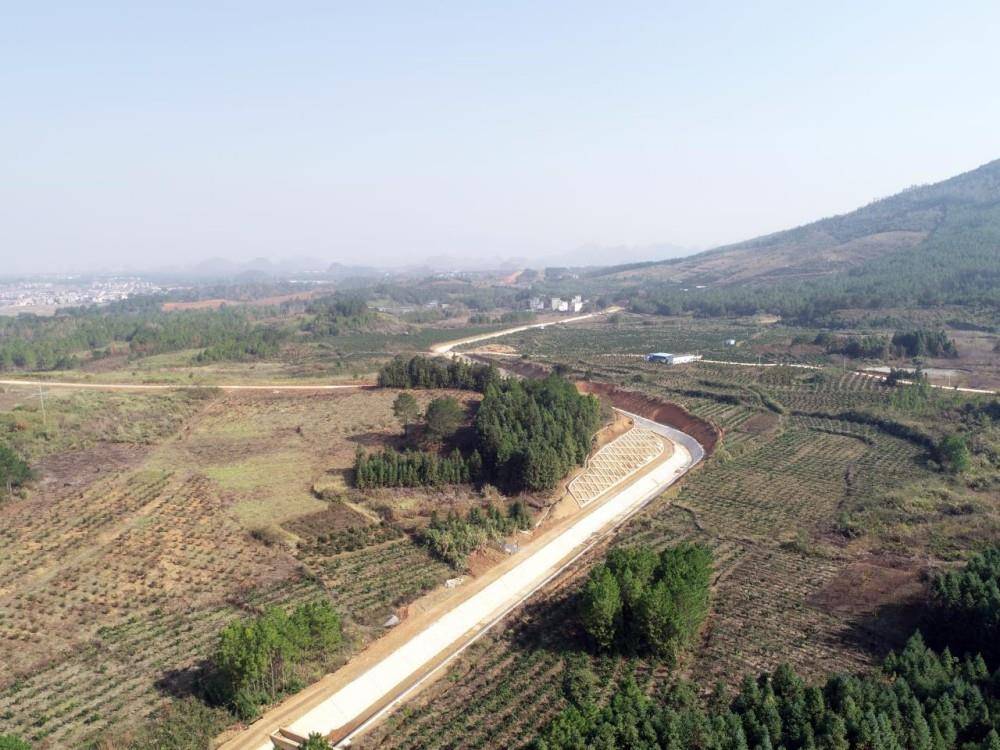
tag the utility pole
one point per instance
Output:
(41, 397)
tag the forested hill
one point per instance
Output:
(928, 245)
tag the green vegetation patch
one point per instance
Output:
(638, 601)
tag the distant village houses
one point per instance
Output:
(557, 304)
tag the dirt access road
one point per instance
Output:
(346, 703)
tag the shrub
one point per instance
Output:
(454, 538)
(14, 472)
(316, 741)
(953, 454)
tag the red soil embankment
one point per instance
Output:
(664, 412)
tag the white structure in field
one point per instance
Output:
(558, 304)
(672, 359)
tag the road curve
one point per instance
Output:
(446, 346)
(359, 703)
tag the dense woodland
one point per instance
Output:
(531, 433)
(256, 660)
(36, 343)
(412, 468)
(920, 699)
(337, 314)
(967, 607)
(919, 343)
(428, 372)
(640, 602)
(139, 327)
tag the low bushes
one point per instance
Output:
(453, 538)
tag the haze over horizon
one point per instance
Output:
(166, 136)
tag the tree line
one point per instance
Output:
(30, 342)
(917, 700)
(640, 602)
(919, 343)
(532, 432)
(427, 372)
(411, 468)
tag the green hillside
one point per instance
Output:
(928, 245)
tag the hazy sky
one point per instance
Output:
(371, 132)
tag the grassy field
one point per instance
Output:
(822, 530)
(115, 582)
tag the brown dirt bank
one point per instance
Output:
(705, 432)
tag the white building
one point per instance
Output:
(555, 302)
(672, 359)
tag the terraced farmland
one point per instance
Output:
(770, 504)
(112, 596)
